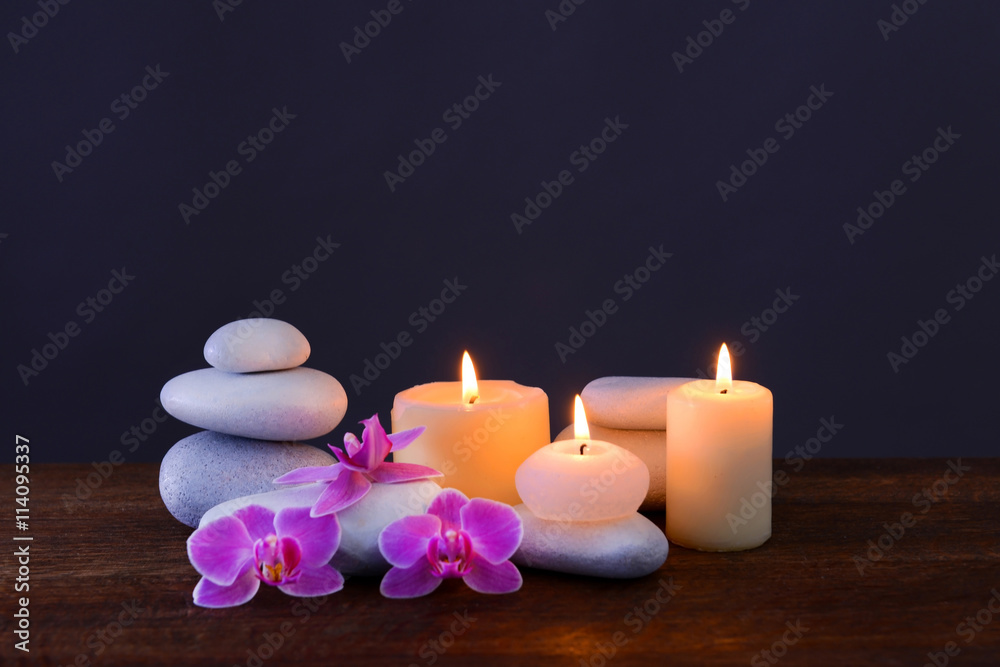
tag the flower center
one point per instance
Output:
(276, 560)
(450, 554)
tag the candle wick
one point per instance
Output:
(724, 391)
(472, 399)
(582, 447)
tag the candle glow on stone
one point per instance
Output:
(470, 387)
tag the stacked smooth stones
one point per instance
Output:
(255, 401)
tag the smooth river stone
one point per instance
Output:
(296, 404)
(630, 403)
(616, 549)
(360, 524)
(650, 446)
(259, 344)
(208, 468)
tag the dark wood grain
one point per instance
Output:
(90, 558)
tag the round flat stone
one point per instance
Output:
(208, 468)
(650, 446)
(295, 404)
(614, 549)
(630, 403)
(258, 344)
(360, 524)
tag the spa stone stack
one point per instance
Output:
(254, 402)
(631, 412)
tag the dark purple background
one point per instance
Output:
(323, 177)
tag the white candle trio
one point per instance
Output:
(491, 439)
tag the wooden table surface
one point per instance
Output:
(110, 584)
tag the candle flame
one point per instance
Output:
(724, 372)
(581, 431)
(470, 387)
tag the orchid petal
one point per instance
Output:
(341, 493)
(258, 520)
(495, 528)
(404, 541)
(410, 582)
(486, 577)
(311, 474)
(315, 581)
(346, 461)
(221, 550)
(403, 439)
(214, 596)
(318, 537)
(393, 473)
(447, 507)
(375, 445)
(351, 444)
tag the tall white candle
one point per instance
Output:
(719, 463)
(477, 436)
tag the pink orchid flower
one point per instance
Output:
(363, 463)
(290, 550)
(458, 537)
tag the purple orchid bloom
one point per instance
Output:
(290, 550)
(458, 537)
(363, 463)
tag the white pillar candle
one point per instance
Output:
(718, 458)
(476, 438)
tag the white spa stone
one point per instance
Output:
(296, 404)
(615, 549)
(258, 344)
(629, 403)
(360, 524)
(208, 468)
(649, 446)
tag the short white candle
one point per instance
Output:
(582, 479)
(718, 462)
(476, 437)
